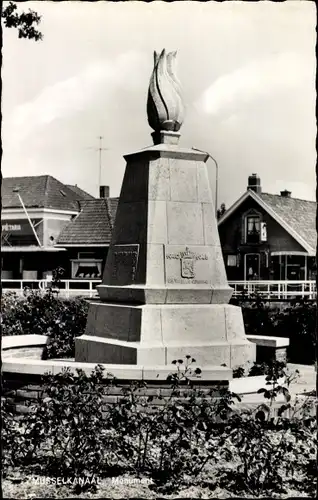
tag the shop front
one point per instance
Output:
(294, 266)
(23, 253)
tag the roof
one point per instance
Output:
(93, 225)
(296, 216)
(300, 215)
(43, 191)
(80, 192)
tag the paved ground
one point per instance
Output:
(305, 383)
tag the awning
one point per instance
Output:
(31, 249)
(284, 252)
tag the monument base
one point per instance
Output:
(156, 334)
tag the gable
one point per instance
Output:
(296, 217)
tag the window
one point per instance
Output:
(253, 229)
(84, 269)
(231, 260)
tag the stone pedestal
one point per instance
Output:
(164, 293)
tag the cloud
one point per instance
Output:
(67, 97)
(255, 80)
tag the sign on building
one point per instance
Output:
(263, 231)
(18, 232)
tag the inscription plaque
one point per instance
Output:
(124, 260)
(186, 266)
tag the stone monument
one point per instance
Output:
(164, 293)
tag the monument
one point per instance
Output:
(164, 293)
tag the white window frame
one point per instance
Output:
(255, 215)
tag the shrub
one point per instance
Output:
(297, 321)
(67, 427)
(238, 372)
(72, 431)
(171, 441)
(45, 314)
(272, 454)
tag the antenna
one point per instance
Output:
(99, 149)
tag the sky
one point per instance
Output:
(247, 71)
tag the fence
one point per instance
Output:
(275, 289)
(67, 288)
(268, 289)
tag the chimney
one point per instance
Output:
(254, 183)
(104, 191)
(285, 193)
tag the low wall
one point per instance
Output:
(23, 377)
(23, 391)
(23, 382)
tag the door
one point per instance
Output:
(252, 266)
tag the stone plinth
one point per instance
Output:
(164, 292)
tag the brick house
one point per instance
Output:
(269, 237)
(87, 237)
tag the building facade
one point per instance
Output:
(269, 237)
(87, 237)
(47, 224)
(34, 212)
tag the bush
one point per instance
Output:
(170, 441)
(273, 454)
(66, 432)
(72, 431)
(70, 416)
(297, 321)
(45, 314)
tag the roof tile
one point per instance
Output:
(300, 215)
(43, 191)
(93, 225)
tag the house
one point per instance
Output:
(269, 237)
(35, 209)
(87, 237)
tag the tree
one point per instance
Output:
(221, 211)
(25, 22)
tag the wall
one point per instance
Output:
(53, 226)
(231, 237)
(23, 390)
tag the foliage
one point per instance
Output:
(238, 372)
(63, 320)
(45, 314)
(221, 211)
(297, 321)
(25, 22)
(169, 436)
(168, 442)
(67, 421)
(272, 453)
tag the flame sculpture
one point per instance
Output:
(165, 107)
